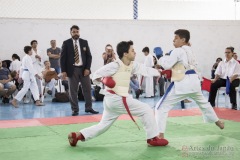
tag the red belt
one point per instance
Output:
(126, 107)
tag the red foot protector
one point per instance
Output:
(157, 142)
(109, 82)
(73, 139)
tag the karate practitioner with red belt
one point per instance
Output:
(117, 101)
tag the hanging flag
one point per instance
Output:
(135, 9)
(206, 84)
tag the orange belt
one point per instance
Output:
(126, 107)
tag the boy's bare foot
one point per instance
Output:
(187, 101)
(38, 103)
(14, 103)
(161, 136)
(220, 124)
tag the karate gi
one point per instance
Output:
(15, 65)
(39, 66)
(113, 103)
(149, 92)
(188, 87)
(28, 73)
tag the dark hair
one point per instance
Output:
(46, 61)
(52, 40)
(16, 56)
(183, 33)
(74, 27)
(27, 49)
(123, 47)
(145, 49)
(108, 45)
(33, 42)
(219, 58)
(231, 48)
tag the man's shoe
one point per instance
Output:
(73, 139)
(234, 106)
(75, 113)
(157, 142)
(91, 111)
(212, 104)
(5, 100)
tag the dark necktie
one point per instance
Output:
(76, 56)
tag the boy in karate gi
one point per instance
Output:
(117, 100)
(185, 83)
(28, 74)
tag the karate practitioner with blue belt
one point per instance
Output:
(185, 83)
(28, 74)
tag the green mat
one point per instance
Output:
(189, 138)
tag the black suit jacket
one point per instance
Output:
(67, 56)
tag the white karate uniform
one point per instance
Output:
(28, 78)
(114, 107)
(149, 92)
(39, 66)
(189, 87)
(15, 65)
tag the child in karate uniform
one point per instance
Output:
(185, 83)
(28, 74)
(117, 100)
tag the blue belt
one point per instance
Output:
(25, 69)
(170, 87)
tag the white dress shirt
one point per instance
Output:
(228, 68)
(79, 52)
(15, 65)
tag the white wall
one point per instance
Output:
(209, 38)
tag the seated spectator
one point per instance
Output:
(214, 67)
(50, 76)
(6, 63)
(226, 74)
(15, 68)
(6, 86)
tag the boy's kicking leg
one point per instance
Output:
(161, 114)
(113, 107)
(209, 114)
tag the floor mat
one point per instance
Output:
(189, 138)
